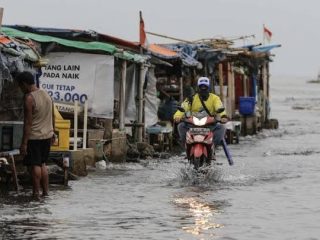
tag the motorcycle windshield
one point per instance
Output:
(200, 114)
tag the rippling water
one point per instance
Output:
(272, 191)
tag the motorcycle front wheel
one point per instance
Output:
(197, 162)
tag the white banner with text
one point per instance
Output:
(79, 76)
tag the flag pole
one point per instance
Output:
(1, 16)
(263, 35)
(141, 29)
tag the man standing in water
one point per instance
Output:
(38, 131)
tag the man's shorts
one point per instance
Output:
(37, 152)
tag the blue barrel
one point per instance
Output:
(246, 105)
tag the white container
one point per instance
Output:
(66, 163)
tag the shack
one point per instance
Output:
(94, 73)
(240, 76)
(16, 55)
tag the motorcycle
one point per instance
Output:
(199, 138)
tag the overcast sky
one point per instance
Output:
(294, 23)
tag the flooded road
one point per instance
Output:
(272, 191)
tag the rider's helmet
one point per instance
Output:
(203, 81)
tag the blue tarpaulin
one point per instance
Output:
(265, 48)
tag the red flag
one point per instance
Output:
(267, 34)
(143, 36)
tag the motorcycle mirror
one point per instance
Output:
(220, 110)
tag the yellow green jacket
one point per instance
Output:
(213, 103)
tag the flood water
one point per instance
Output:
(272, 191)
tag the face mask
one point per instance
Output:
(204, 93)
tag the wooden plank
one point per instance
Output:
(14, 173)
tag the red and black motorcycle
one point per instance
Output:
(199, 138)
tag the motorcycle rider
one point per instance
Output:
(212, 104)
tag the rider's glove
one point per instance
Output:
(224, 119)
(177, 119)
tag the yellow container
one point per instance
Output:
(62, 130)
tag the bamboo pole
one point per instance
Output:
(230, 40)
(85, 125)
(75, 126)
(168, 37)
(221, 81)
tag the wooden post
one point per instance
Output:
(85, 124)
(14, 173)
(245, 85)
(267, 90)
(230, 91)
(65, 176)
(141, 102)
(122, 95)
(221, 82)
(264, 100)
(65, 165)
(1, 16)
(75, 126)
(181, 90)
(268, 79)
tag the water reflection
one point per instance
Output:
(23, 218)
(202, 214)
(28, 228)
